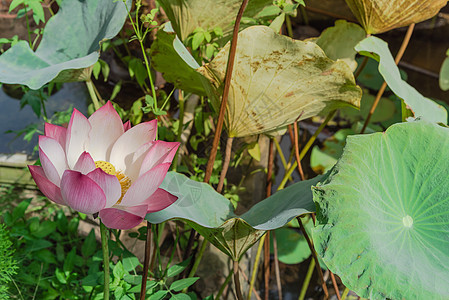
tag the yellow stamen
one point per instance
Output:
(124, 181)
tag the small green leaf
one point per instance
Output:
(19, 210)
(118, 271)
(444, 74)
(14, 4)
(60, 276)
(45, 256)
(133, 279)
(130, 261)
(181, 284)
(69, 262)
(181, 297)
(178, 268)
(116, 90)
(89, 245)
(45, 228)
(197, 39)
(158, 295)
(96, 69)
(254, 150)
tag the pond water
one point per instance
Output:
(13, 118)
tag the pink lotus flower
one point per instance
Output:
(102, 165)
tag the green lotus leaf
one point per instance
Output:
(378, 16)
(212, 215)
(338, 41)
(444, 74)
(188, 15)
(71, 43)
(277, 80)
(170, 57)
(420, 106)
(383, 213)
(292, 246)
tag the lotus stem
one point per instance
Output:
(104, 246)
(281, 155)
(198, 258)
(146, 263)
(225, 283)
(305, 149)
(226, 161)
(298, 160)
(345, 294)
(224, 99)
(384, 85)
(181, 125)
(305, 284)
(238, 290)
(315, 257)
(276, 266)
(92, 94)
(334, 283)
(361, 67)
(266, 264)
(255, 267)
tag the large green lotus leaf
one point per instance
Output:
(170, 57)
(292, 246)
(338, 41)
(378, 16)
(212, 215)
(444, 74)
(187, 15)
(383, 213)
(71, 41)
(420, 106)
(277, 80)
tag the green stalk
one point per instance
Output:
(305, 149)
(198, 258)
(93, 96)
(225, 283)
(104, 246)
(306, 282)
(345, 294)
(256, 266)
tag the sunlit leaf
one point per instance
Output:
(338, 41)
(277, 80)
(421, 106)
(187, 15)
(212, 215)
(444, 74)
(70, 44)
(378, 16)
(383, 213)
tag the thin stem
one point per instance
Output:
(146, 262)
(306, 148)
(225, 283)
(255, 267)
(361, 67)
(334, 283)
(281, 155)
(226, 161)
(305, 284)
(266, 264)
(180, 126)
(276, 266)
(28, 27)
(298, 160)
(104, 246)
(345, 294)
(384, 85)
(100, 99)
(224, 98)
(288, 24)
(198, 258)
(315, 257)
(38, 281)
(92, 94)
(238, 290)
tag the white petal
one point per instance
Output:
(77, 137)
(145, 186)
(122, 153)
(107, 127)
(160, 152)
(53, 158)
